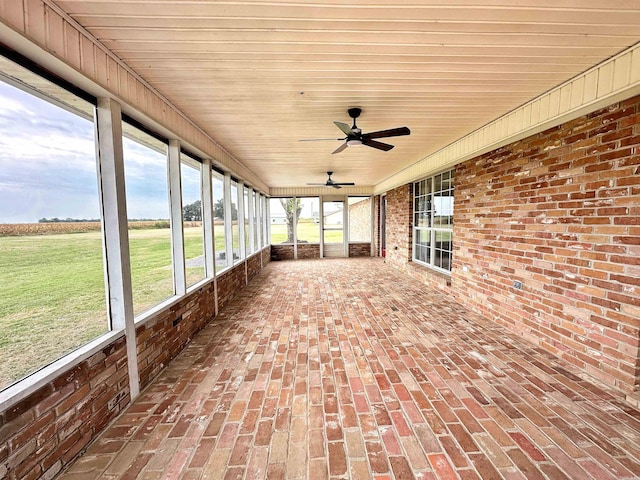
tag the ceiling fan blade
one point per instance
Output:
(319, 139)
(344, 127)
(334, 185)
(340, 148)
(379, 145)
(344, 184)
(317, 184)
(392, 132)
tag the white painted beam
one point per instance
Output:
(111, 176)
(174, 180)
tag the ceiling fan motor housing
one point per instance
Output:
(354, 112)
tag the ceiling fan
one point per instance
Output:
(331, 183)
(354, 135)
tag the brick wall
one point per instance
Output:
(162, 337)
(45, 431)
(398, 226)
(282, 252)
(230, 282)
(560, 213)
(360, 249)
(308, 250)
(266, 256)
(254, 265)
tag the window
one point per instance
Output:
(433, 221)
(359, 219)
(308, 224)
(192, 218)
(52, 291)
(217, 181)
(145, 168)
(281, 220)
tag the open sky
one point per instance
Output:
(48, 166)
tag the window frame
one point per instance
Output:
(432, 229)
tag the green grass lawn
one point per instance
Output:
(307, 231)
(52, 297)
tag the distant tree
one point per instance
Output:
(192, 212)
(218, 210)
(292, 208)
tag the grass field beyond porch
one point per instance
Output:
(52, 294)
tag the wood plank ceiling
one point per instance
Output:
(258, 76)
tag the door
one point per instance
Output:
(333, 228)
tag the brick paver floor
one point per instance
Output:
(348, 369)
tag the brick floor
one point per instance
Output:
(328, 369)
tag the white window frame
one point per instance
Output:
(431, 229)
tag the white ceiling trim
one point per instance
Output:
(613, 80)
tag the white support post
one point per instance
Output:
(267, 225)
(228, 221)
(251, 213)
(345, 231)
(321, 223)
(207, 219)
(110, 160)
(295, 229)
(372, 220)
(174, 175)
(240, 200)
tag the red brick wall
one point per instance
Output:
(230, 282)
(45, 431)
(308, 250)
(266, 256)
(398, 226)
(559, 212)
(162, 337)
(282, 252)
(360, 249)
(254, 265)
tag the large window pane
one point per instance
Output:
(359, 219)
(235, 228)
(217, 181)
(192, 218)
(145, 167)
(282, 211)
(433, 219)
(308, 226)
(52, 292)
